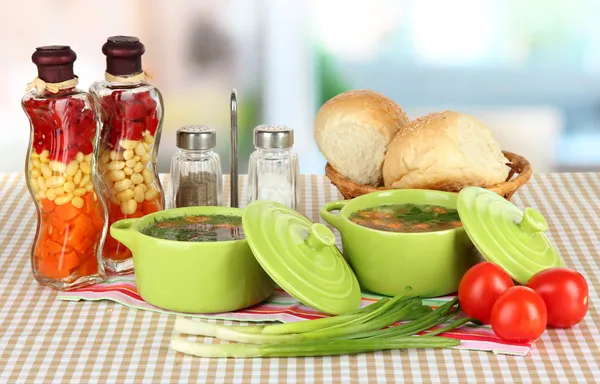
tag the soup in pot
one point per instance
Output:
(407, 218)
(197, 228)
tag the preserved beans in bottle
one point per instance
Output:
(131, 114)
(60, 174)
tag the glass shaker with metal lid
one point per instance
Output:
(273, 170)
(196, 178)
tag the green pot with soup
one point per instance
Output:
(404, 237)
(194, 260)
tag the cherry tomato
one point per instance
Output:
(519, 315)
(479, 289)
(565, 293)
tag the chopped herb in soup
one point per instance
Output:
(197, 228)
(407, 218)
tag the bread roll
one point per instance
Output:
(353, 130)
(444, 151)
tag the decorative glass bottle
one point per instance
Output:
(196, 178)
(131, 114)
(60, 174)
(273, 170)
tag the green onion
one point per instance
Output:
(321, 348)
(431, 319)
(363, 330)
(368, 320)
(313, 325)
(449, 327)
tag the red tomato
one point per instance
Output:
(479, 289)
(565, 293)
(519, 315)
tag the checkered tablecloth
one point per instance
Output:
(46, 340)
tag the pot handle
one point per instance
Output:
(331, 218)
(122, 232)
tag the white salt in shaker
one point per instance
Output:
(273, 171)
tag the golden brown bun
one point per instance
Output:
(444, 151)
(353, 130)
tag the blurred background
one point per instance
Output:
(528, 69)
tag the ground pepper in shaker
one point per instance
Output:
(273, 170)
(196, 178)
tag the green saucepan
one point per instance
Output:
(432, 263)
(193, 277)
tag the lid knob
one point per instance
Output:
(320, 236)
(533, 222)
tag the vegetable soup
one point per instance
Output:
(407, 218)
(197, 228)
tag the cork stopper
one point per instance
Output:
(54, 63)
(123, 55)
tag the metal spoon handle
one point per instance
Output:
(233, 155)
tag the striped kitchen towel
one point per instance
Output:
(284, 308)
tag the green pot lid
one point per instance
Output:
(505, 235)
(301, 257)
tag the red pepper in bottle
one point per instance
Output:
(131, 114)
(60, 175)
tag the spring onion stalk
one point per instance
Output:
(349, 329)
(411, 328)
(418, 313)
(307, 326)
(449, 327)
(321, 348)
(390, 307)
(313, 325)
(383, 315)
(396, 310)
(431, 319)
(224, 332)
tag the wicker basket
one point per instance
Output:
(520, 172)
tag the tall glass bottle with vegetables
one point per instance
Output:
(60, 174)
(131, 114)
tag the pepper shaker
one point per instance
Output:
(196, 178)
(273, 170)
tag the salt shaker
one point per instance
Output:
(273, 170)
(196, 178)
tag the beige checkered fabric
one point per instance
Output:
(45, 340)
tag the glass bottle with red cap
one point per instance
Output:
(67, 249)
(131, 114)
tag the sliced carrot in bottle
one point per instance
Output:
(67, 212)
(151, 206)
(67, 261)
(47, 206)
(88, 266)
(136, 215)
(83, 246)
(53, 247)
(49, 268)
(76, 235)
(98, 225)
(121, 253)
(110, 244)
(90, 206)
(59, 225)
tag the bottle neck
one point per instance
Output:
(274, 150)
(195, 152)
(60, 93)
